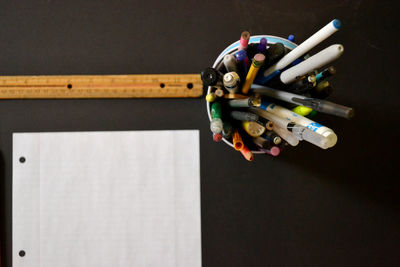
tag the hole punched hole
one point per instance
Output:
(189, 85)
(21, 253)
(69, 86)
(22, 159)
(162, 85)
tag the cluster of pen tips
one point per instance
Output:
(263, 96)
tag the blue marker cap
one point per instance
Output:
(337, 24)
(241, 55)
(291, 38)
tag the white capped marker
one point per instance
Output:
(304, 47)
(318, 60)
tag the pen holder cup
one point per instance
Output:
(231, 49)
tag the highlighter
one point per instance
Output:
(253, 128)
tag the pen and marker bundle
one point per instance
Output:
(263, 92)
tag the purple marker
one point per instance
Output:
(262, 46)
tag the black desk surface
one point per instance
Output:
(308, 207)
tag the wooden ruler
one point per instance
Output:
(101, 86)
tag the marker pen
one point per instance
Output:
(244, 40)
(247, 154)
(230, 63)
(298, 131)
(291, 38)
(298, 119)
(325, 74)
(231, 82)
(211, 77)
(262, 46)
(245, 103)
(272, 137)
(237, 140)
(318, 60)
(258, 60)
(304, 47)
(307, 104)
(216, 124)
(253, 128)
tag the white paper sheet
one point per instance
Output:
(106, 199)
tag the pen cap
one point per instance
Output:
(215, 110)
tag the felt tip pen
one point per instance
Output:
(244, 40)
(318, 60)
(304, 47)
(325, 74)
(327, 107)
(307, 103)
(211, 77)
(231, 82)
(237, 140)
(298, 119)
(245, 103)
(272, 137)
(230, 63)
(258, 60)
(298, 131)
(216, 124)
(253, 128)
(247, 154)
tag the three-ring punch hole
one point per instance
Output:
(22, 159)
(162, 85)
(189, 85)
(69, 86)
(21, 253)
